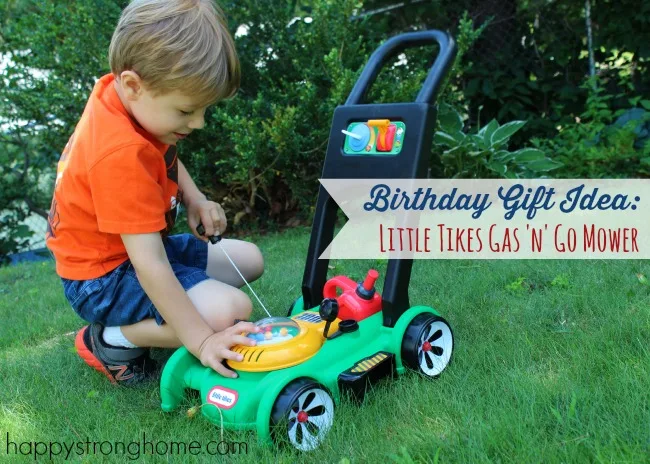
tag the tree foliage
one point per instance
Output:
(261, 153)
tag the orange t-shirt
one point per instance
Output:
(113, 178)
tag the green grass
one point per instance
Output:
(552, 364)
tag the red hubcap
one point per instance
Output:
(302, 416)
(426, 346)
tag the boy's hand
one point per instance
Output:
(208, 213)
(216, 347)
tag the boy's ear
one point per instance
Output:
(131, 84)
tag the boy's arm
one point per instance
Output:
(191, 193)
(199, 208)
(147, 254)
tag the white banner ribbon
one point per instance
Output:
(491, 219)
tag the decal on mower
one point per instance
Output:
(222, 397)
(309, 317)
(368, 363)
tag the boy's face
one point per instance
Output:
(169, 117)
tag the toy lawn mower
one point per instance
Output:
(340, 335)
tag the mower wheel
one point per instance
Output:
(427, 345)
(303, 413)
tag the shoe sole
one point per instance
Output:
(88, 357)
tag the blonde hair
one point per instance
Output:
(179, 45)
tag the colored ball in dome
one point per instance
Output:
(259, 337)
(268, 335)
(283, 332)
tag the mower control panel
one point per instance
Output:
(375, 137)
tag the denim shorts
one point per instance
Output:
(118, 299)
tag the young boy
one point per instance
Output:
(118, 186)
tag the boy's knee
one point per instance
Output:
(220, 305)
(256, 268)
(241, 306)
(236, 305)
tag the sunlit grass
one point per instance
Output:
(552, 364)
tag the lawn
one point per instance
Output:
(552, 364)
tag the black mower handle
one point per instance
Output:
(399, 43)
(213, 238)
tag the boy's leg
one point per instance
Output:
(246, 256)
(218, 300)
(219, 305)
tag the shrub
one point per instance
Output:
(485, 153)
(260, 153)
(597, 145)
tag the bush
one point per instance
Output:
(54, 51)
(485, 154)
(260, 153)
(597, 145)
(271, 140)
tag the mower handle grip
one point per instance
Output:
(399, 43)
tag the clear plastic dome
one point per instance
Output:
(275, 330)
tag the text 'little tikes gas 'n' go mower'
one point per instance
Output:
(329, 345)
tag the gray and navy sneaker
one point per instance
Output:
(122, 366)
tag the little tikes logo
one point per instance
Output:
(223, 397)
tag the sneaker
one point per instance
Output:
(122, 366)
